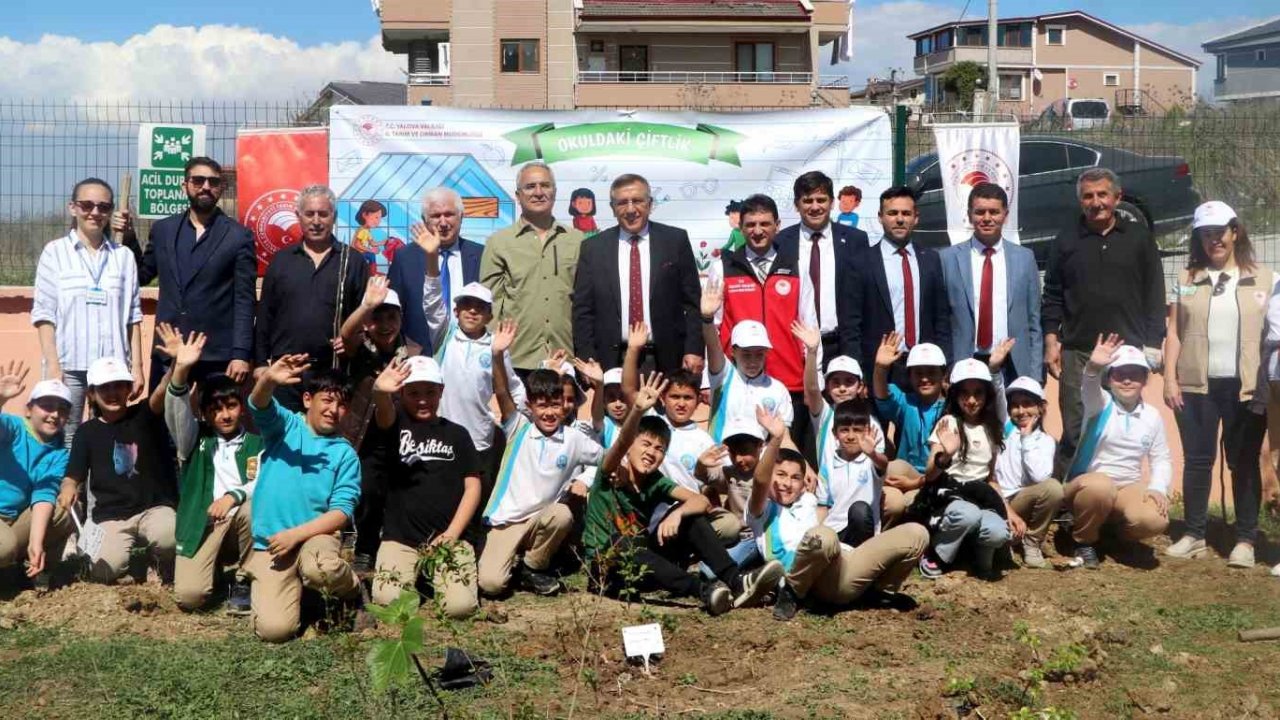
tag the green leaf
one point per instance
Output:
(391, 661)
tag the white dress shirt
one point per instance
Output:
(893, 275)
(827, 255)
(624, 276)
(999, 292)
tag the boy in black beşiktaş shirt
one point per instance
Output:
(124, 457)
(433, 489)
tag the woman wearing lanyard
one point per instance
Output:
(1212, 358)
(86, 302)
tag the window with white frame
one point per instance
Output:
(1011, 87)
(1055, 34)
(1111, 79)
(1260, 56)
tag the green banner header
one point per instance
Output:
(700, 144)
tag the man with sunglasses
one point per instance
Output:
(207, 270)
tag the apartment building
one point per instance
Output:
(565, 54)
(1045, 58)
(1247, 63)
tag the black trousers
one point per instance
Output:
(861, 527)
(802, 430)
(1242, 431)
(666, 563)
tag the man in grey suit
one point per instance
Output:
(994, 290)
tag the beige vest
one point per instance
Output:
(1193, 293)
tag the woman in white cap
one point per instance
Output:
(1212, 355)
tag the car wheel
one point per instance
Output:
(1132, 213)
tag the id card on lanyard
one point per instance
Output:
(95, 295)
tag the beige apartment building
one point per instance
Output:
(1049, 57)
(565, 54)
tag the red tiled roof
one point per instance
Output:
(694, 9)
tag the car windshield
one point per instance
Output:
(1089, 110)
(919, 163)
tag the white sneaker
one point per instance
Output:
(1241, 556)
(1276, 570)
(1187, 548)
(1032, 555)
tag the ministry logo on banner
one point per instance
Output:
(970, 154)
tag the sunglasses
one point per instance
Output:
(212, 181)
(1221, 286)
(90, 206)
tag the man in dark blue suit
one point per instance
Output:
(459, 263)
(835, 244)
(208, 276)
(894, 285)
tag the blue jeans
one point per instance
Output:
(961, 520)
(745, 554)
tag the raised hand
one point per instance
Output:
(888, 353)
(770, 422)
(556, 359)
(375, 291)
(651, 388)
(638, 336)
(999, 354)
(188, 351)
(810, 336)
(503, 336)
(589, 370)
(13, 380)
(712, 297)
(1105, 349)
(170, 340)
(713, 457)
(948, 436)
(288, 369)
(425, 238)
(867, 442)
(392, 377)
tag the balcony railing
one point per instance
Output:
(833, 81)
(428, 78)
(681, 77)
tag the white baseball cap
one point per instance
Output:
(743, 426)
(392, 299)
(1026, 385)
(1129, 355)
(1214, 213)
(750, 334)
(970, 369)
(50, 388)
(106, 370)
(844, 363)
(423, 368)
(613, 376)
(476, 291)
(926, 355)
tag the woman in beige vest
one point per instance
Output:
(1212, 358)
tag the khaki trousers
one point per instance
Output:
(16, 533)
(1095, 500)
(193, 576)
(538, 538)
(1036, 505)
(728, 528)
(456, 589)
(276, 594)
(836, 574)
(894, 502)
(153, 527)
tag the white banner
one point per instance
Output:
(696, 163)
(972, 153)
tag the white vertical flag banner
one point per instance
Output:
(974, 153)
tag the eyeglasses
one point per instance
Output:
(630, 202)
(1221, 286)
(530, 187)
(90, 206)
(212, 181)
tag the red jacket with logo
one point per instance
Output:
(776, 303)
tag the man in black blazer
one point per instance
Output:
(208, 275)
(459, 259)
(637, 270)
(874, 301)
(820, 280)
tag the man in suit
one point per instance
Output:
(208, 275)
(638, 271)
(993, 288)
(893, 286)
(820, 246)
(442, 212)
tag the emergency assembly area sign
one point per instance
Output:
(163, 150)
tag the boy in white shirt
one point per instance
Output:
(1024, 468)
(1120, 430)
(784, 519)
(850, 487)
(525, 514)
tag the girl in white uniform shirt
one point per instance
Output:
(1025, 466)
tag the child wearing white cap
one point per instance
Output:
(1024, 469)
(124, 461)
(33, 460)
(1105, 483)
(914, 413)
(432, 494)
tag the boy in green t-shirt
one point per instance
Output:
(624, 538)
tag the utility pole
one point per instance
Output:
(993, 42)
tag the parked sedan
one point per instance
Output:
(1157, 190)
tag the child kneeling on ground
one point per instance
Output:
(784, 520)
(433, 491)
(307, 492)
(624, 503)
(1024, 469)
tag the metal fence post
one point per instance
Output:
(900, 145)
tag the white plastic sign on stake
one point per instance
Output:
(642, 641)
(91, 536)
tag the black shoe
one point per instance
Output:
(238, 603)
(539, 583)
(1086, 557)
(716, 598)
(788, 603)
(875, 598)
(753, 585)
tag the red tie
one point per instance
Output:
(984, 302)
(635, 303)
(908, 297)
(815, 275)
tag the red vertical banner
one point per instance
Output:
(272, 166)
